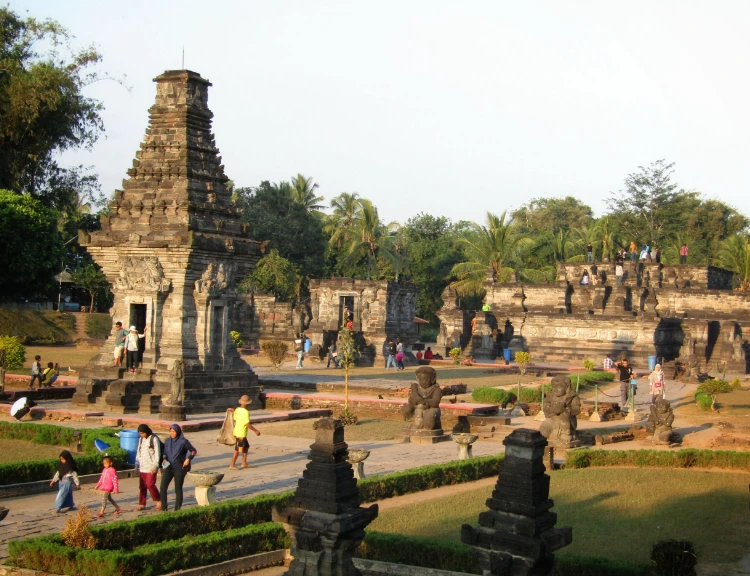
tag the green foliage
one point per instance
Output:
(276, 216)
(98, 326)
(375, 488)
(493, 396)
(236, 338)
(275, 350)
(522, 359)
(674, 558)
(42, 103)
(15, 352)
(714, 386)
(704, 401)
(371, 238)
(588, 364)
(455, 353)
(530, 395)
(36, 470)
(688, 458)
(734, 255)
(594, 376)
(49, 554)
(93, 281)
(31, 245)
(576, 565)
(736, 383)
(273, 275)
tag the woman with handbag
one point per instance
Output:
(178, 455)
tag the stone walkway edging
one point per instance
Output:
(42, 486)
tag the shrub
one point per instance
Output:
(531, 395)
(674, 558)
(455, 353)
(715, 386)
(704, 401)
(236, 338)
(596, 376)
(523, 359)
(56, 435)
(687, 458)
(588, 364)
(736, 383)
(98, 326)
(49, 554)
(490, 396)
(575, 565)
(15, 352)
(77, 532)
(275, 350)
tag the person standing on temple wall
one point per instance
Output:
(657, 255)
(132, 348)
(333, 354)
(683, 253)
(608, 363)
(624, 374)
(633, 252)
(589, 253)
(120, 335)
(619, 272)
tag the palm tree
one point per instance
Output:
(370, 236)
(303, 193)
(339, 224)
(610, 237)
(492, 251)
(591, 234)
(734, 255)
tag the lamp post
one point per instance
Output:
(63, 268)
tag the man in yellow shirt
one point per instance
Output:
(241, 426)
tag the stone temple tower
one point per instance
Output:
(173, 246)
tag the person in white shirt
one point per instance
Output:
(608, 363)
(131, 347)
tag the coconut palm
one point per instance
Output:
(370, 237)
(590, 234)
(303, 193)
(339, 224)
(734, 255)
(492, 251)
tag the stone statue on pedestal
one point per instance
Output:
(423, 407)
(561, 407)
(178, 386)
(659, 425)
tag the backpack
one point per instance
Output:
(151, 444)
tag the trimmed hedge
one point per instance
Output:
(425, 477)
(34, 470)
(458, 557)
(594, 376)
(688, 458)
(49, 554)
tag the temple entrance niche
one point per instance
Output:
(348, 302)
(138, 316)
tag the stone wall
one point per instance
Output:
(667, 311)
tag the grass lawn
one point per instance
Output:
(615, 512)
(367, 429)
(24, 451)
(732, 407)
(66, 356)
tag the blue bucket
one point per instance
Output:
(307, 345)
(129, 442)
(651, 362)
(507, 354)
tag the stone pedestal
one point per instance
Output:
(516, 536)
(358, 457)
(205, 486)
(325, 521)
(464, 442)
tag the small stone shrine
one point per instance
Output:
(173, 246)
(659, 424)
(422, 409)
(325, 521)
(516, 536)
(561, 406)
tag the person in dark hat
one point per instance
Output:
(241, 426)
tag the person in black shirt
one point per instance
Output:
(624, 374)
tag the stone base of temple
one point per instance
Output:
(423, 436)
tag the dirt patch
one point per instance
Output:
(366, 430)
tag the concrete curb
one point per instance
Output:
(239, 565)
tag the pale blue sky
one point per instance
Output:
(452, 108)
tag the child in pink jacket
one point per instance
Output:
(108, 485)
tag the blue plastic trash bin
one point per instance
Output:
(129, 442)
(651, 362)
(507, 354)
(307, 345)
